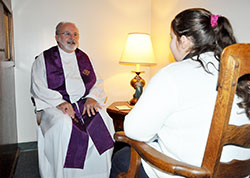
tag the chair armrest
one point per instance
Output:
(160, 160)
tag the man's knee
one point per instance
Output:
(63, 121)
(54, 119)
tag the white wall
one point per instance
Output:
(103, 26)
(163, 11)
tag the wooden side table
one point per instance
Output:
(118, 115)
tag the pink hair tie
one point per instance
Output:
(213, 20)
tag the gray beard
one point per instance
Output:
(68, 45)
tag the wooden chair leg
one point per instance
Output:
(122, 175)
(134, 166)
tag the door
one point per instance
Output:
(8, 128)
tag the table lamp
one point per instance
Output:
(139, 51)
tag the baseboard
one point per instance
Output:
(27, 146)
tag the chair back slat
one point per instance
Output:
(235, 169)
(237, 135)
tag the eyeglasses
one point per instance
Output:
(68, 34)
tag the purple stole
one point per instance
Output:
(92, 126)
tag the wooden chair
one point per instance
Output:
(235, 62)
(38, 113)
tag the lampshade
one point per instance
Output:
(138, 50)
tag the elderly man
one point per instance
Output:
(75, 133)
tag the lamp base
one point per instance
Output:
(133, 101)
(137, 83)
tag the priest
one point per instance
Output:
(74, 133)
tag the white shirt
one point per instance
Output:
(55, 129)
(176, 109)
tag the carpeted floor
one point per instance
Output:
(8, 158)
(27, 165)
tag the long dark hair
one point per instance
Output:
(195, 24)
